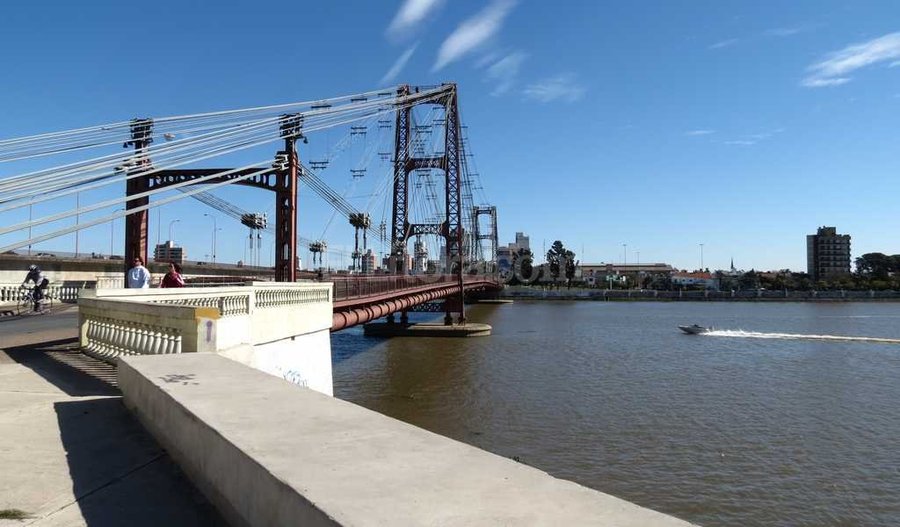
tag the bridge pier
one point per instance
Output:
(387, 329)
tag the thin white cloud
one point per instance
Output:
(411, 13)
(563, 87)
(398, 65)
(505, 71)
(835, 68)
(790, 31)
(818, 83)
(724, 43)
(473, 32)
(699, 132)
(488, 58)
(752, 139)
(784, 31)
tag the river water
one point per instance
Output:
(768, 421)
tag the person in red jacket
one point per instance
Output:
(173, 278)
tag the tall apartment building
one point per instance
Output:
(827, 253)
(368, 262)
(522, 241)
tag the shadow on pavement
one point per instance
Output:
(120, 475)
(60, 363)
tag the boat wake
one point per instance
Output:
(739, 333)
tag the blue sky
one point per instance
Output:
(660, 125)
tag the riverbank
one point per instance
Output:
(755, 295)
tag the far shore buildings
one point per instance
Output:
(695, 279)
(603, 273)
(169, 252)
(827, 254)
(506, 255)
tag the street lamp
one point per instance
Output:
(701, 257)
(77, 219)
(30, 216)
(215, 228)
(171, 236)
(637, 271)
(112, 224)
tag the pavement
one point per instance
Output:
(70, 452)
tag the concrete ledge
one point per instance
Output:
(267, 453)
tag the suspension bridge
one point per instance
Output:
(408, 142)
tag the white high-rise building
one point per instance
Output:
(522, 241)
(420, 257)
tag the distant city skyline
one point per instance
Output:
(659, 125)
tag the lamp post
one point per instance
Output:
(112, 231)
(637, 271)
(29, 227)
(77, 219)
(171, 236)
(215, 228)
(701, 257)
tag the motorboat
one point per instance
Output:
(694, 329)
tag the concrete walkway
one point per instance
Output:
(70, 453)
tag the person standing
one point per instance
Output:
(138, 276)
(40, 284)
(173, 278)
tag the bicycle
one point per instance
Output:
(26, 303)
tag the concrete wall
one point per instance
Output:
(268, 453)
(304, 360)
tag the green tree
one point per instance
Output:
(570, 265)
(749, 280)
(555, 258)
(522, 266)
(875, 265)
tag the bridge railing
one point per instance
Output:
(360, 286)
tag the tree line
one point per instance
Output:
(874, 271)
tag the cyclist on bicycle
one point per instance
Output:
(40, 285)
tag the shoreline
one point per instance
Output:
(616, 295)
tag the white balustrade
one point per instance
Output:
(11, 292)
(117, 322)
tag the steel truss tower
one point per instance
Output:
(451, 229)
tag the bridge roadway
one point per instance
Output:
(358, 298)
(362, 298)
